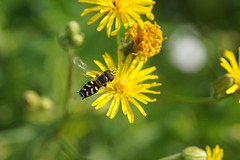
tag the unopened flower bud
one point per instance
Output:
(72, 28)
(223, 83)
(77, 40)
(194, 153)
(46, 103)
(31, 99)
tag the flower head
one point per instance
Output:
(127, 11)
(146, 39)
(233, 68)
(127, 86)
(216, 154)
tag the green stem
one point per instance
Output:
(173, 97)
(118, 40)
(172, 157)
(69, 80)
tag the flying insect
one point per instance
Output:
(93, 86)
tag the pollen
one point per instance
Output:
(122, 86)
(147, 39)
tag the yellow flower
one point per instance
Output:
(233, 68)
(216, 154)
(127, 11)
(147, 40)
(127, 86)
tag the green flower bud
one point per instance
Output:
(223, 83)
(77, 40)
(72, 28)
(194, 153)
(71, 37)
(31, 99)
(46, 103)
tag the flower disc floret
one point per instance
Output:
(147, 39)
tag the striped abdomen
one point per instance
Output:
(89, 89)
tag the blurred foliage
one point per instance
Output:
(31, 59)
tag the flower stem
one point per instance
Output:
(118, 39)
(173, 97)
(69, 80)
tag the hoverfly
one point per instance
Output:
(92, 86)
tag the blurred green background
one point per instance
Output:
(31, 58)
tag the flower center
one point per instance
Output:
(122, 85)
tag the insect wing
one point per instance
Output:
(80, 64)
(83, 66)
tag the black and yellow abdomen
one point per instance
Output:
(93, 86)
(89, 89)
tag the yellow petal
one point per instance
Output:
(88, 1)
(140, 99)
(224, 63)
(93, 73)
(88, 10)
(104, 22)
(136, 17)
(101, 98)
(145, 2)
(138, 106)
(146, 98)
(147, 77)
(147, 71)
(216, 150)
(128, 60)
(115, 107)
(209, 154)
(95, 17)
(117, 26)
(111, 106)
(230, 56)
(232, 89)
(150, 16)
(133, 64)
(110, 23)
(109, 61)
(154, 84)
(125, 104)
(150, 91)
(124, 20)
(100, 65)
(104, 101)
(138, 68)
(129, 19)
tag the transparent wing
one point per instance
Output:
(83, 66)
(80, 64)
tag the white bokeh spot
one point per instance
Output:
(186, 52)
